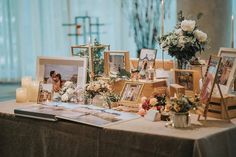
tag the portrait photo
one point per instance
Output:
(185, 78)
(210, 77)
(115, 62)
(227, 69)
(146, 59)
(45, 93)
(131, 92)
(57, 71)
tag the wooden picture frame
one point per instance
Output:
(88, 52)
(81, 51)
(110, 56)
(227, 69)
(147, 59)
(70, 68)
(188, 79)
(131, 92)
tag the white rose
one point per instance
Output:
(68, 84)
(64, 97)
(188, 25)
(70, 91)
(201, 36)
(179, 32)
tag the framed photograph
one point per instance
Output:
(81, 51)
(131, 92)
(147, 59)
(116, 61)
(45, 93)
(227, 69)
(188, 78)
(210, 78)
(58, 70)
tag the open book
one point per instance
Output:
(86, 114)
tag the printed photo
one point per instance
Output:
(146, 59)
(116, 62)
(45, 93)
(185, 79)
(57, 75)
(131, 92)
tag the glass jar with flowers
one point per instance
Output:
(180, 106)
(184, 41)
(94, 88)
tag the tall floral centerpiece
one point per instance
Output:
(184, 41)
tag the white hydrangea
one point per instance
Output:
(70, 91)
(179, 32)
(68, 84)
(201, 36)
(64, 97)
(188, 25)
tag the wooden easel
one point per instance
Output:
(216, 81)
(223, 105)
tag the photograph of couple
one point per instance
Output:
(57, 75)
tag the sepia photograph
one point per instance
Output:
(131, 92)
(45, 93)
(185, 78)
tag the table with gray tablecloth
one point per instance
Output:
(25, 137)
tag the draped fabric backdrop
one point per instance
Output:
(31, 28)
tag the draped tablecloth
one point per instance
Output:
(135, 138)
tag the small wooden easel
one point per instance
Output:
(223, 105)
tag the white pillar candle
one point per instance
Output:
(21, 95)
(232, 31)
(33, 91)
(25, 83)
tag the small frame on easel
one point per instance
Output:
(208, 85)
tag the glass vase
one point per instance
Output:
(181, 120)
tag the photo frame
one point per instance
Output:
(131, 92)
(45, 93)
(115, 61)
(147, 59)
(72, 69)
(227, 69)
(187, 78)
(81, 51)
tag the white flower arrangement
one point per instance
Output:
(67, 93)
(184, 41)
(94, 88)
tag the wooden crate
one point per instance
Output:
(158, 86)
(176, 88)
(217, 110)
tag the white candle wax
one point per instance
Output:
(33, 91)
(232, 31)
(25, 83)
(21, 95)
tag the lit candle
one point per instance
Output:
(33, 91)
(25, 83)
(21, 95)
(232, 31)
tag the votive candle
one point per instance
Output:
(33, 91)
(21, 95)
